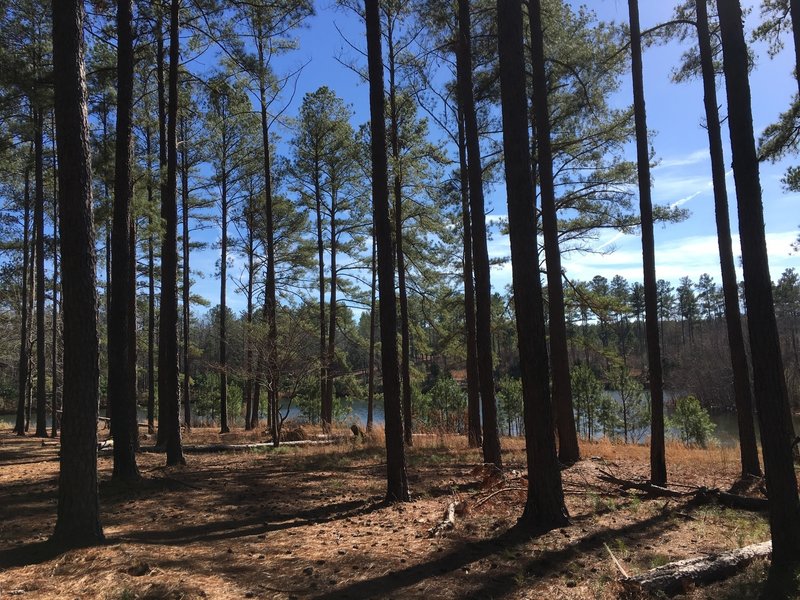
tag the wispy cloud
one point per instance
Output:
(693, 158)
(690, 256)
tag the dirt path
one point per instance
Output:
(309, 523)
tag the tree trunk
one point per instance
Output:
(161, 436)
(270, 300)
(54, 353)
(248, 342)
(405, 346)
(658, 463)
(187, 281)
(772, 402)
(133, 422)
(168, 392)
(397, 481)
(223, 310)
(31, 332)
(123, 405)
(544, 508)
(78, 521)
(794, 7)
(568, 451)
(480, 253)
(326, 412)
(371, 380)
(151, 296)
(330, 355)
(730, 289)
(474, 432)
(38, 224)
(24, 347)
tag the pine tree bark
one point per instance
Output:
(568, 451)
(123, 404)
(772, 402)
(396, 478)
(223, 310)
(38, 224)
(474, 430)
(480, 252)
(658, 463)
(133, 392)
(330, 352)
(78, 520)
(397, 187)
(794, 8)
(161, 435)
(544, 508)
(248, 342)
(187, 281)
(168, 390)
(151, 294)
(326, 412)
(371, 367)
(24, 347)
(54, 339)
(270, 297)
(31, 331)
(730, 289)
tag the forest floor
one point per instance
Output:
(308, 522)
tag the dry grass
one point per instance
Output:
(307, 522)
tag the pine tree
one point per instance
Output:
(397, 481)
(658, 465)
(78, 521)
(771, 396)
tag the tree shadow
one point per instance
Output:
(503, 583)
(256, 525)
(31, 554)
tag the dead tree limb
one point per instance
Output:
(734, 500)
(700, 494)
(676, 576)
(642, 486)
(449, 521)
(213, 448)
(500, 491)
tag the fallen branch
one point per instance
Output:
(734, 500)
(449, 521)
(213, 448)
(500, 491)
(616, 562)
(698, 493)
(642, 486)
(675, 576)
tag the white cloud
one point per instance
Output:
(682, 201)
(693, 158)
(689, 256)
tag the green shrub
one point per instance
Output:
(691, 421)
(510, 405)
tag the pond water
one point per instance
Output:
(726, 431)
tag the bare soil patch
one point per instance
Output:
(310, 523)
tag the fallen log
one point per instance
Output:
(740, 502)
(213, 448)
(676, 576)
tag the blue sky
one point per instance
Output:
(675, 113)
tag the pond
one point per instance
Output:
(726, 431)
